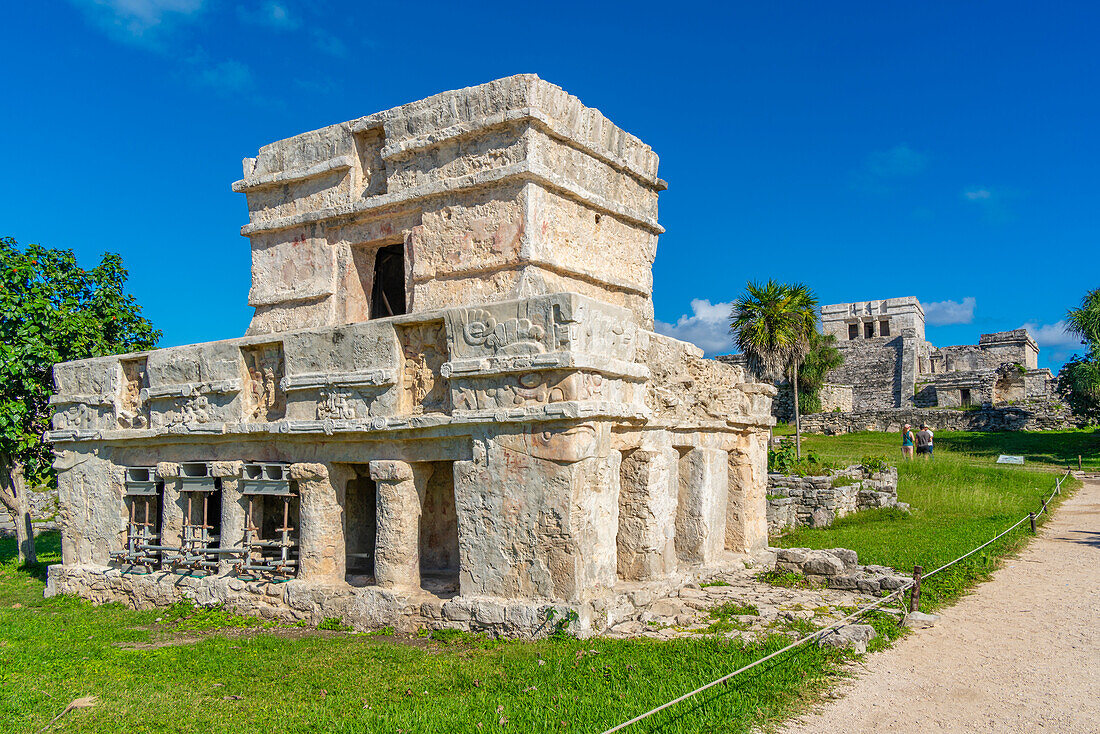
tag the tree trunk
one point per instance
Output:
(13, 495)
(797, 418)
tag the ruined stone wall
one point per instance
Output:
(833, 397)
(873, 368)
(795, 501)
(1029, 416)
(493, 192)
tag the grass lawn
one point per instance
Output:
(960, 499)
(206, 670)
(1050, 449)
(161, 677)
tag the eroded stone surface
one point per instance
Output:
(450, 407)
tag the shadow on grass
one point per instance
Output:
(1061, 448)
(47, 547)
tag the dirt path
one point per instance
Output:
(1021, 654)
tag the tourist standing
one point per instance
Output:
(924, 441)
(907, 440)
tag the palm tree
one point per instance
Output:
(1085, 321)
(772, 325)
(1080, 377)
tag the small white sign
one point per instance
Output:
(1005, 459)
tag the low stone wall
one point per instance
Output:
(44, 509)
(838, 568)
(795, 501)
(1030, 416)
(833, 397)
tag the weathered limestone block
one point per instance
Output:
(701, 514)
(530, 502)
(233, 509)
(93, 516)
(171, 507)
(321, 539)
(746, 507)
(397, 549)
(648, 496)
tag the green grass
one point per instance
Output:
(1049, 449)
(202, 669)
(960, 499)
(177, 675)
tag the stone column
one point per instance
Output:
(321, 537)
(747, 506)
(400, 487)
(701, 514)
(645, 544)
(171, 511)
(233, 510)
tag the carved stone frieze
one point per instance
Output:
(265, 399)
(423, 351)
(132, 410)
(335, 404)
(529, 388)
(77, 417)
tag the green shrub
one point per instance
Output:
(334, 624)
(874, 464)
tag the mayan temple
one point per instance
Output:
(450, 408)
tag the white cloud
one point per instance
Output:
(272, 14)
(138, 20)
(1053, 336)
(225, 76)
(978, 194)
(328, 43)
(901, 160)
(707, 327)
(942, 313)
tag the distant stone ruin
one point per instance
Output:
(450, 408)
(891, 375)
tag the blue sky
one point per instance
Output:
(946, 150)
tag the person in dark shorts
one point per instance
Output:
(924, 441)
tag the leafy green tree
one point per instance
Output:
(773, 324)
(51, 310)
(822, 357)
(1079, 378)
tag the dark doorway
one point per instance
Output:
(964, 397)
(884, 328)
(388, 292)
(439, 533)
(360, 528)
(853, 331)
(869, 330)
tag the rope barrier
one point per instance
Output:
(821, 632)
(836, 625)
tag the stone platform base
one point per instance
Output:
(368, 608)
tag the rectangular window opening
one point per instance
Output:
(388, 290)
(853, 331)
(439, 564)
(360, 527)
(271, 521)
(869, 330)
(144, 495)
(884, 328)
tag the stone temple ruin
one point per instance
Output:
(892, 375)
(450, 408)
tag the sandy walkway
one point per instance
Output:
(1021, 654)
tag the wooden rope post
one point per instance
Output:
(1031, 516)
(914, 593)
(1079, 466)
(1044, 505)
